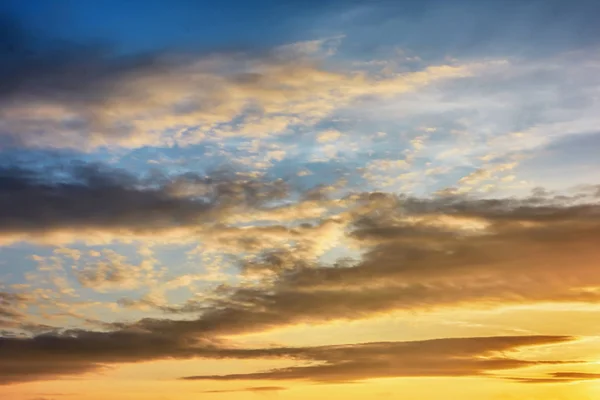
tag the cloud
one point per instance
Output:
(442, 357)
(560, 377)
(330, 135)
(424, 254)
(421, 255)
(114, 273)
(256, 389)
(269, 253)
(415, 254)
(492, 125)
(441, 27)
(72, 253)
(11, 308)
(96, 203)
(76, 352)
(86, 97)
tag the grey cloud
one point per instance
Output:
(521, 263)
(510, 261)
(523, 252)
(56, 94)
(83, 198)
(442, 357)
(71, 90)
(75, 352)
(35, 68)
(79, 74)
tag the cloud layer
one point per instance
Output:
(416, 255)
(83, 201)
(88, 98)
(51, 356)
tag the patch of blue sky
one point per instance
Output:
(567, 162)
(177, 257)
(437, 29)
(40, 160)
(132, 27)
(434, 28)
(17, 261)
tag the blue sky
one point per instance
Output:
(430, 26)
(153, 25)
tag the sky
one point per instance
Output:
(299, 199)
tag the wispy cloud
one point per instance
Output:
(255, 389)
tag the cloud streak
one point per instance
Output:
(561, 377)
(81, 201)
(443, 357)
(256, 389)
(51, 356)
